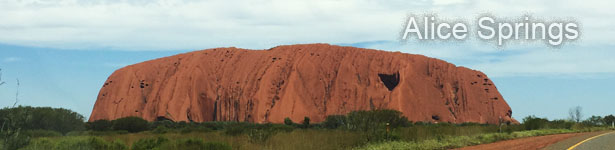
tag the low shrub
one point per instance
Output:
(118, 145)
(75, 143)
(260, 135)
(335, 121)
(234, 130)
(374, 124)
(561, 124)
(366, 120)
(163, 123)
(278, 127)
(287, 121)
(195, 129)
(40, 143)
(88, 143)
(306, 122)
(160, 130)
(99, 125)
(149, 143)
(217, 125)
(41, 133)
(534, 123)
(216, 146)
(194, 144)
(14, 141)
(96, 133)
(130, 124)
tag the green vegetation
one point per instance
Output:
(99, 125)
(335, 121)
(148, 143)
(373, 125)
(187, 144)
(377, 129)
(44, 118)
(76, 143)
(448, 136)
(194, 144)
(599, 121)
(306, 122)
(287, 121)
(20, 124)
(130, 124)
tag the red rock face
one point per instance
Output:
(313, 80)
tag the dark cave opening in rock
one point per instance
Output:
(390, 80)
(162, 118)
(435, 117)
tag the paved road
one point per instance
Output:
(601, 142)
(595, 141)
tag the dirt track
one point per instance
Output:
(528, 143)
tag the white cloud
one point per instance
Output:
(448, 2)
(527, 60)
(571, 62)
(186, 24)
(183, 24)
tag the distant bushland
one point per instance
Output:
(43, 118)
(19, 124)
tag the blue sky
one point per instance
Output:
(63, 50)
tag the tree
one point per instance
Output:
(287, 121)
(594, 121)
(576, 114)
(306, 122)
(609, 119)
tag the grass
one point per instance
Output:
(75, 143)
(240, 136)
(449, 142)
(414, 137)
(299, 139)
(437, 131)
(431, 136)
(377, 129)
